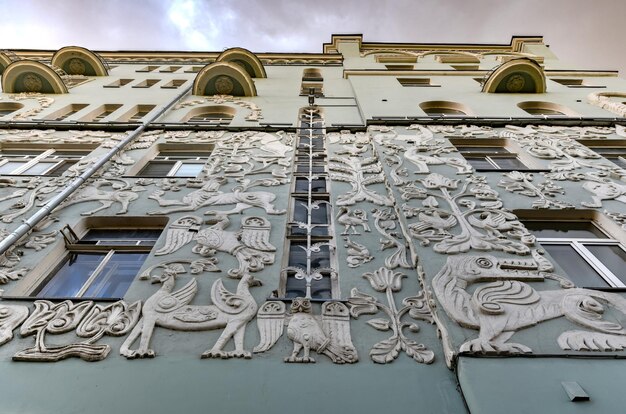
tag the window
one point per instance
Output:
(101, 112)
(444, 108)
(487, 157)
(148, 69)
(176, 164)
(416, 82)
(617, 155)
(118, 83)
(399, 67)
(465, 67)
(146, 83)
(312, 82)
(211, 115)
(546, 109)
(194, 69)
(310, 218)
(101, 264)
(7, 108)
(173, 84)
(66, 112)
(170, 69)
(136, 113)
(49, 162)
(589, 257)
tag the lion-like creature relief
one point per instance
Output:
(507, 304)
(209, 195)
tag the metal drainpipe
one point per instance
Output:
(59, 198)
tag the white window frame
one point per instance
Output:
(46, 155)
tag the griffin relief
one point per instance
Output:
(507, 303)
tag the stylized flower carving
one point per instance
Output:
(434, 181)
(384, 279)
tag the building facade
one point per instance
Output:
(375, 228)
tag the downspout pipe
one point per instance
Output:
(44, 211)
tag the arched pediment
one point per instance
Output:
(245, 59)
(76, 60)
(31, 76)
(521, 75)
(5, 60)
(223, 78)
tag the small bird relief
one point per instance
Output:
(327, 335)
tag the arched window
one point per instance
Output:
(7, 108)
(545, 109)
(445, 108)
(211, 115)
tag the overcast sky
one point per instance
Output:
(589, 34)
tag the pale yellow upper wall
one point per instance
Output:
(360, 88)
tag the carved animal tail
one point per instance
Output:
(450, 291)
(585, 308)
(339, 354)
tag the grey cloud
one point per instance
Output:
(580, 32)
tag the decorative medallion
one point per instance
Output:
(76, 66)
(515, 83)
(32, 83)
(224, 85)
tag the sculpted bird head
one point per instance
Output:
(302, 305)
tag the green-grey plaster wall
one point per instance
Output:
(533, 385)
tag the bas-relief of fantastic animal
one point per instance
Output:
(422, 161)
(209, 195)
(122, 193)
(171, 309)
(328, 335)
(250, 245)
(506, 304)
(11, 316)
(604, 191)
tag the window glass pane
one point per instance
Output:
(295, 288)
(41, 167)
(9, 166)
(124, 236)
(116, 276)
(320, 231)
(321, 289)
(564, 229)
(612, 257)
(156, 169)
(189, 170)
(318, 216)
(297, 256)
(317, 186)
(484, 149)
(480, 163)
(72, 275)
(509, 163)
(62, 167)
(575, 267)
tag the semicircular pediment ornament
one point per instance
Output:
(31, 77)
(223, 78)
(76, 60)
(521, 75)
(244, 58)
